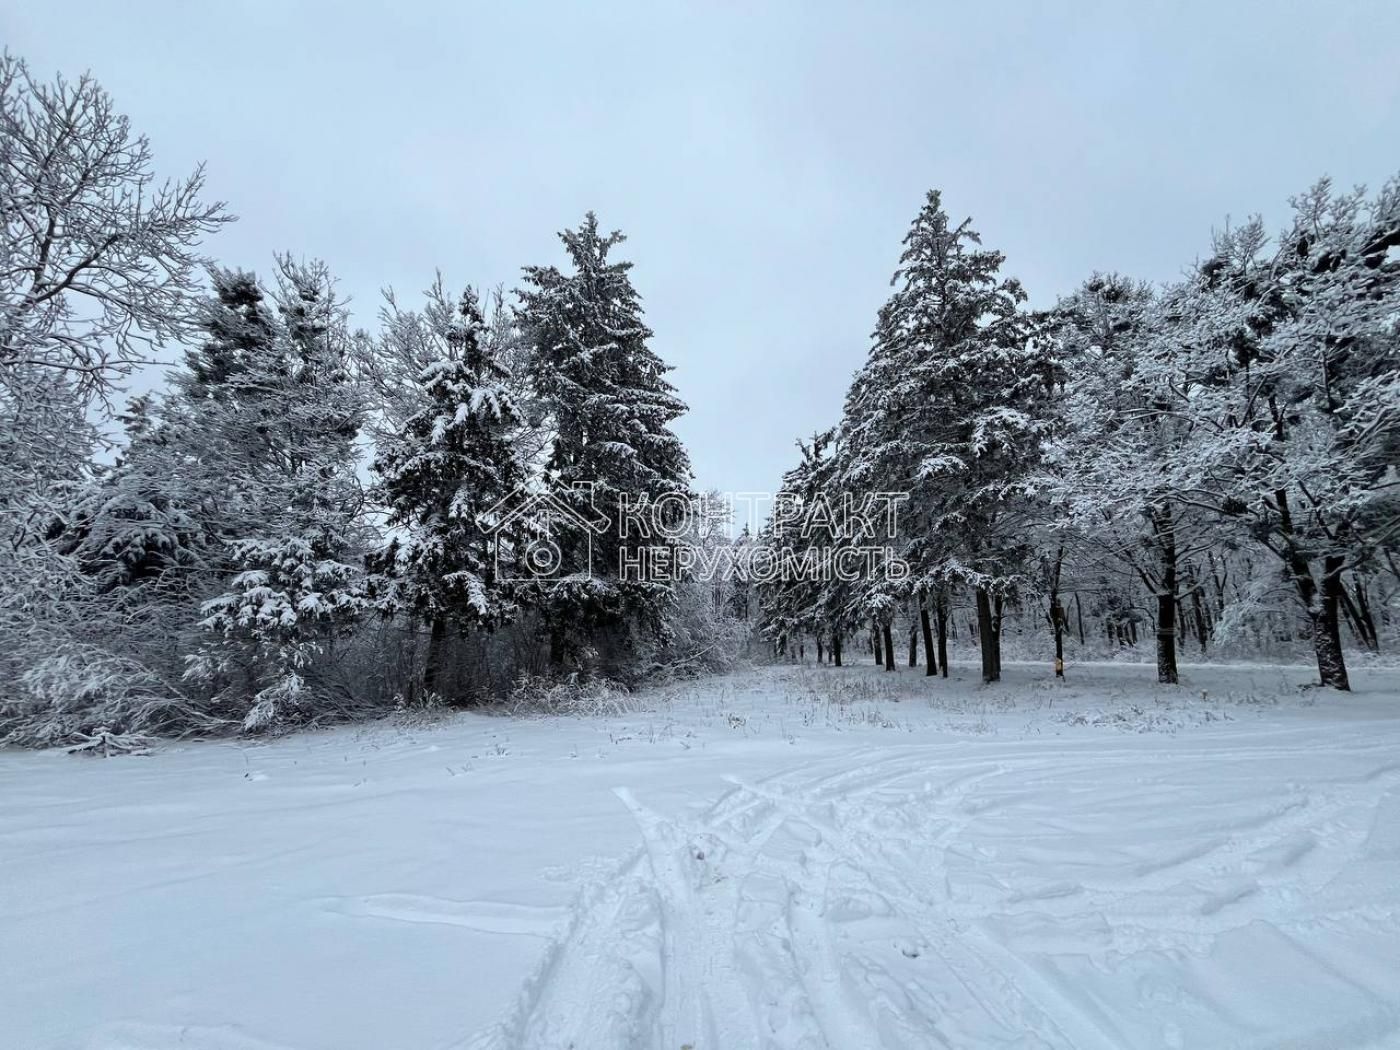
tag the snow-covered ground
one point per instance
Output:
(781, 858)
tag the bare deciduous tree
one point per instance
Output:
(98, 259)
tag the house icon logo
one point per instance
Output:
(530, 530)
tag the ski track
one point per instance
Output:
(879, 906)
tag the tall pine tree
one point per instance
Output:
(271, 415)
(611, 409)
(454, 460)
(947, 409)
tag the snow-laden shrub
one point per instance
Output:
(699, 639)
(274, 622)
(573, 695)
(82, 694)
(102, 741)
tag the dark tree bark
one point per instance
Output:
(991, 672)
(1057, 612)
(1166, 640)
(943, 637)
(1363, 612)
(1321, 607)
(1079, 612)
(820, 652)
(1198, 609)
(913, 646)
(889, 647)
(997, 621)
(930, 656)
(1219, 578)
(1327, 634)
(836, 649)
(1165, 530)
(432, 666)
(875, 642)
(1358, 613)
(1057, 616)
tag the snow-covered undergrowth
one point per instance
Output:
(792, 857)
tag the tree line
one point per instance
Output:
(309, 521)
(1215, 456)
(306, 521)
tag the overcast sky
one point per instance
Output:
(764, 159)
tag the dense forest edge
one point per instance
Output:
(304, 524)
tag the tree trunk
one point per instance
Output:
(1321, 608)
(997, 621)
(1165, 528)
(990, 671)
(1358, 613)
(1363, 610)
(930, 656)
(913, 645)
(820, 651)
(889, 647)
(836, 649)
(432, 666)
(1166, 639)
(1198, 607)
(1058, 617)
(1057, 612)
(875, 642)
(1079, 612)
(943, 637)
(1327, 635)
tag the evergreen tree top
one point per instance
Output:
(611, 403)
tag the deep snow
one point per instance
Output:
(780, 858)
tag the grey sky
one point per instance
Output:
(764, 159)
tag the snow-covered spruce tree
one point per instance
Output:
(610, 409)
(452, 461)
(389, 363)
(1285, 363)
(152, 529)
(143, 539)
(271, 417)
(791, 598)
(949, 408)
(740, 600)
(840, 608)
